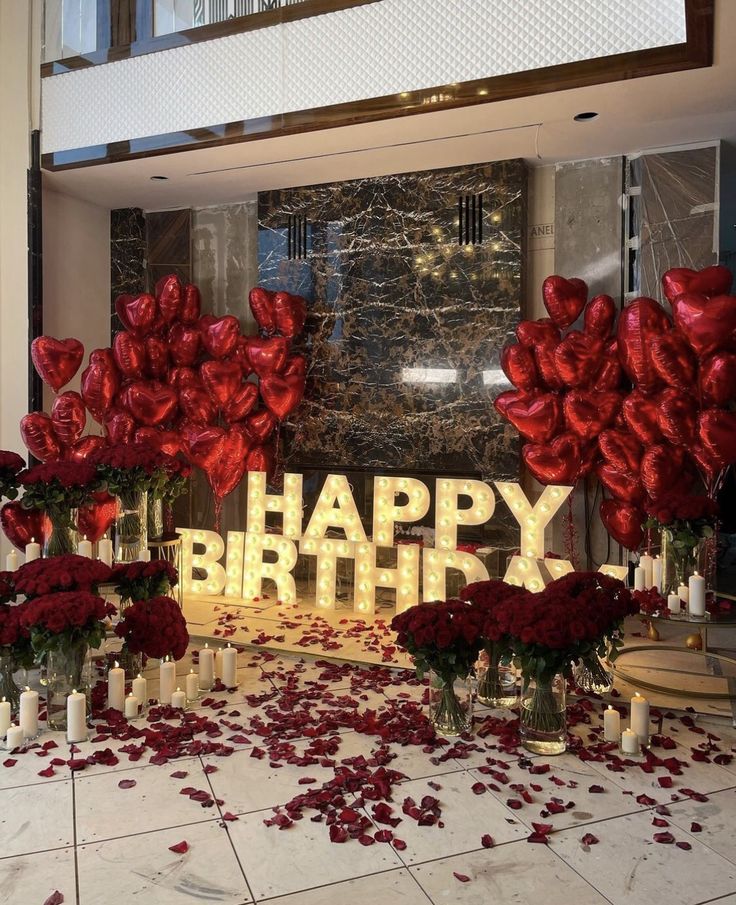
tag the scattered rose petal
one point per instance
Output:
(487, 841)
(478, 788)
(696, 828)
(665, 838)
(589, 839)
(9, 762)
(56, 898)
(463, 878)
(180, 848)
(685, 846)
(49, 771)
(596, 790)
(659, 822)
(126, 783)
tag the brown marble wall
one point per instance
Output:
(169, 245)
(127, 256)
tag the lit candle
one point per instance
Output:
(657, 573)
(206, 667)
(84, 548)
(131, 706)
(646, 563)
(673, 603)
(179, 699)
(192, 685)
(640, 717)
(33, 550)
(13, 737)
(116, 688)
(683, 593)
(76, 717)
(630, 742)
(144, 555)
(4, 716)
(696, 595)
(640, 577)
(104, 550)
(167, 680)
(611, 724)
(28, 715)
(140, 690)
(229, 667)
(218, 663)
(11, 561)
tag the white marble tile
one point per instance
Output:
(141, 868)
(629, 868)
(277, 862)
(515, 874)
(717, 816)
(36, 818)
(395, 887)
(31, 879)
(27, 764)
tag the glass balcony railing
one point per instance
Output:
(176, 15)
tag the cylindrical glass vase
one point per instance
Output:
(62, 538)
(593, 675)
(497, 686)
(679, 563)
(450, 704)
(155, 517)
(542, 720)
(67, 670)
(131, 526)
(9, 690)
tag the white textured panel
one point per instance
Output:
(370, 51)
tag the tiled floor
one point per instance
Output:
(97, 842)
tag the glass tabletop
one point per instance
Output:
(721, 611)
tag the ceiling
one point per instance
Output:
(636, 115)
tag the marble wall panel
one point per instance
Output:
(169, 245)
(127, 256)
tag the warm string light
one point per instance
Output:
(403, 578)
(526, 572)
(234, 564)
(214, 546)
(448, 515)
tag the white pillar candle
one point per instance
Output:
(657, 573)
(4, 716)
(192, 685)
(696, 595)
(33, 550)
(13, 737)
(630, 742)
(84, 548)
(11, 561)
(144, 556)
(28, 715)
(179, 699)
(218, 663)
(673, 603)
(140, 690)
(683, 593)
(104, 550)
(76, 717)
(640, 577)
(206, 667)
(116, 688)
(640, 717)
(131, 706)
(229, 667)
(167, 681)
(645, 562)
(611, 724)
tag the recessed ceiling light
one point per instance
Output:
(584, 117)
(159, 178)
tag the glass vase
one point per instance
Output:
(592, 675)
(542, 720)
(155, 517)
(450, 704)
(131, 526)
(67, 670)
(130, 662)
(679, 563)
(9, 690)
(496, 680)
(62, 538)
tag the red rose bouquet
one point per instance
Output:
(7, 587)
(11, 466)
(443, 638)
(70, 619)
(144, 580)
(15, 652)
(69, 572)
(156, 628)
(684, 520)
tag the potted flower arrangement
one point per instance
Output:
(687, 524)
(154, 628)
(68, 572)
(143, 580)
(11, 466)
(59, 489)
(444, 639)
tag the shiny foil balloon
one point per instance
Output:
(587, 412)
(717, 379)
(184, 343)
(227, 472)
(714, 280)
(129, 354)
(219, 334)
(717, 430)
(677, 415)
(137, 313)
(266, 356)
(221, 379)
(600, 314)
(578, 358)
(100, 383)
(120, 427)
(157, 357)
(662, 468)
(542, 332)
(94, 521)
(260, 425)
(295, 364)
(184, 377)
(621, 449)
(56, 360)
(537, 419)
(623, 522)
(169, 296)
(197, 405)
(564, 299)
(241, 404)
(289, 312)
(260, 458)
(191, 305)
(674, 361)
(517, 363)
(504, 400)
(150, 403)
(82, 449)
(261, 304)
(37, 432)
(638, 324)
(621, 484)
(168, 442)
(68, 417)
(24, 526)
(610, 375)
(556, 462)
(707, 324)
(640, 414)
(282, 395)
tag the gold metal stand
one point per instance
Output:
(665, 689)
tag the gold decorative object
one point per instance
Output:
(652, 632)
(695, 641)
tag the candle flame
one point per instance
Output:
(28, 687)
(74, 691)
(140, 677)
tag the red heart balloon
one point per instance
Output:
(621, 449)
(578, 358)
(504, 400)
(56, 360)
(623, 522)
(260, 425)
(261, 304)
(150, 403)
(197, 405)
(587, 413)
(191, 305)
(662, 468)
(120, 427)
(137, 313)
(225, 475)
(184, 344)
(557, 462)
(537, 419)
(717, 431)
(37, 431)
(241, 404)
(184, 377)
(640, 415)
(638, 324)
(157, 357)
(600, 313)
(266, 356)
(222, 380)
(713, 280)
(718, 378)
(103, 357)
(282, 395)
(544, 357)
(100, 383)
(169, 296)
(129, 354)
(168, 442)
(517, 363)
(219, 334)
(69, 417)
(677, 417)
(621, 484)
(542, 332)
(673, 361)
(94, 521)
(295, 364)
(708, 465)
(260, 458)
(707, 324)
(204, 445)
(610, 375)
(24, 526)
(85, 447)
(290, 312)
(564, 299)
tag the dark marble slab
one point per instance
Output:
(127, 256)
